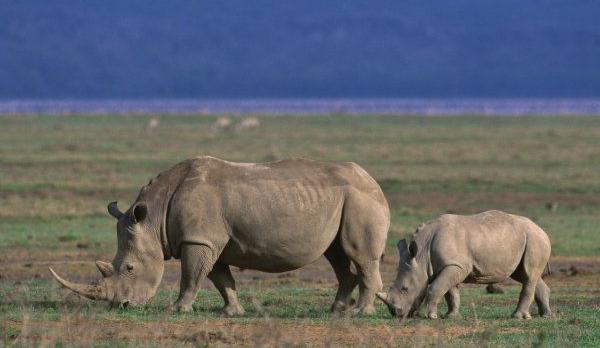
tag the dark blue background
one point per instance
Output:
(326, 48)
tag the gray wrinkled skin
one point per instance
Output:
(485, 248)
(272, 217)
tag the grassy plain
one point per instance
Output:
(58, 173)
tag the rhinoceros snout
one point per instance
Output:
(393, 310)
(399, 313)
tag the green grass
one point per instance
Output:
(58, 173)
(576, 323)
(53, 233)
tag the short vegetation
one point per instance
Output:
(58, 173)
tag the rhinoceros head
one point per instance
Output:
(409, 288)
(135, 273)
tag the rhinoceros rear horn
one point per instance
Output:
(114, 210)
(93, 292)
(105, 268)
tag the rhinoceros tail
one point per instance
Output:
(547, 270)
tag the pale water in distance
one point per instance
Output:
(509, 107)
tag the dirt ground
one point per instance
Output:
(264, 332)
(22, 264)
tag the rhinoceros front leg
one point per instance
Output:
(453, 300)
(369, 284)
(223, 280)
(347, 281)
(197, 261)
(447, 279)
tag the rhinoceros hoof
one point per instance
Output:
(233, 311)
(521, 315)
(340, 307)
(432, 315)
(452, 315)
(366, 310)
(546, 315)
(181, 308)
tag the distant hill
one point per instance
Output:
(306, 48)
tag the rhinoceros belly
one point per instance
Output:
(283, 229)
(496, 248)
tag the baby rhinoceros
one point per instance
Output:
(485, 248)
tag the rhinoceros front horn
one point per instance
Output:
(93, 292)
(114, 210)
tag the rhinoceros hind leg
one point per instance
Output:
(518, 314)
(453, 300)
(346, 279)
(525, 299)
(446, 280)
(222, 279)
(542, 299)
(369, 284)
(529, 273)
(196, 262)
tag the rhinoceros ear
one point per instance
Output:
(138, 212)
(403, 249)
(114, 211)
(413, 249)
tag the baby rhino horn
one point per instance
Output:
(382, 296)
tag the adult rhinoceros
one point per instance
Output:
(272, 217)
